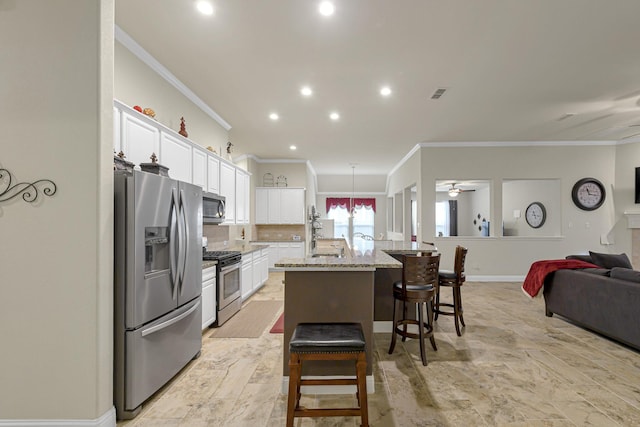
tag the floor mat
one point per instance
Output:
(250, 322)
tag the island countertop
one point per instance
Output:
(377, 259)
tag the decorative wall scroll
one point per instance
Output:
(28, 190)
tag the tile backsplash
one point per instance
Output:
(279, 232)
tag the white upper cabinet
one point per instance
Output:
(176, 154)
(228, 190)
(242, 197)
(139, 136)
(200, 167)
(292, 206)
(140, 139)
(262, 205)
(280, 206)
(213, 174)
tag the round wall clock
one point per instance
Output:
(588, 194)
(536, 214)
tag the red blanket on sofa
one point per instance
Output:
(539, 270)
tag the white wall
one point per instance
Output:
(56, 254)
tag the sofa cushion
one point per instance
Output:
(625, 274)
(585, 258)
(598, 271)
(610, 260)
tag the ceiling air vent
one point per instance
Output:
(438, 93)
(565, 116)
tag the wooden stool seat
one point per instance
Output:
(327, 341)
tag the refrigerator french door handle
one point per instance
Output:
(174, 236)
(185, 240)
(170, 322)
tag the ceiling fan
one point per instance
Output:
(454, 191)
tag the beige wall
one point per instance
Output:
(56, 254)
(512, 256)
(137, 84)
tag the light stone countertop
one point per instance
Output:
(378, 259)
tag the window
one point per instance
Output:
(340, 216)
(442, 218)
(362, 223)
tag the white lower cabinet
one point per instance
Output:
(255, 271)
(246, 276)
(208, 296)
(279, 250)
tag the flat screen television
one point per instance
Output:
(637, 189)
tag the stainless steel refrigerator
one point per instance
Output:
(158, 282)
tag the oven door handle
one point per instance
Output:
(230, 267)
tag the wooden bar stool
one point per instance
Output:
(454, 280)
(418, 286)
(327, 341)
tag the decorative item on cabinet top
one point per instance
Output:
(29, 190)
(281, 181)
(154, 166)
(267, 180)
(183, 128)
(119, 162)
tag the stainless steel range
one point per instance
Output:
(228, 283)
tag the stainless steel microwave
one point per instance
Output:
(213, 208)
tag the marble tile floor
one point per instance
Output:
(512, 367)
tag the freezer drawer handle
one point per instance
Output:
(168, 323)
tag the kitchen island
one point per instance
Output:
(336, 284)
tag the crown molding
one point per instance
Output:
(128, 42)
(484, 144)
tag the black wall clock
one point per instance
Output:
(536, 215)
(588, 194)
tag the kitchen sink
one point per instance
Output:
(325, 255)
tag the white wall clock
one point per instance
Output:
(536, 215)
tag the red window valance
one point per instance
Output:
(345, 202)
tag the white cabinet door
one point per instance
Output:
(246, 276)
(228, 190)
(199, 168)
(213, 174)
(176, 155)
(263, 267)
(291, 250)
(257, 275)
(139, 139)
(274, 254)
(262, 206)
(208, 298)
(292, 206)
(242, 199)
(273, 206)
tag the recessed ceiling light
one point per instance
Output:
(274, 116)
(292, 147)
(204, 7)
(334, 116)
(306, 91)
(385, 91)
(326, 8)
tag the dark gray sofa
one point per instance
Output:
(592, 298)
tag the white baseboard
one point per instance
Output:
(108, 419)
(329, 389)
(495, 278)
